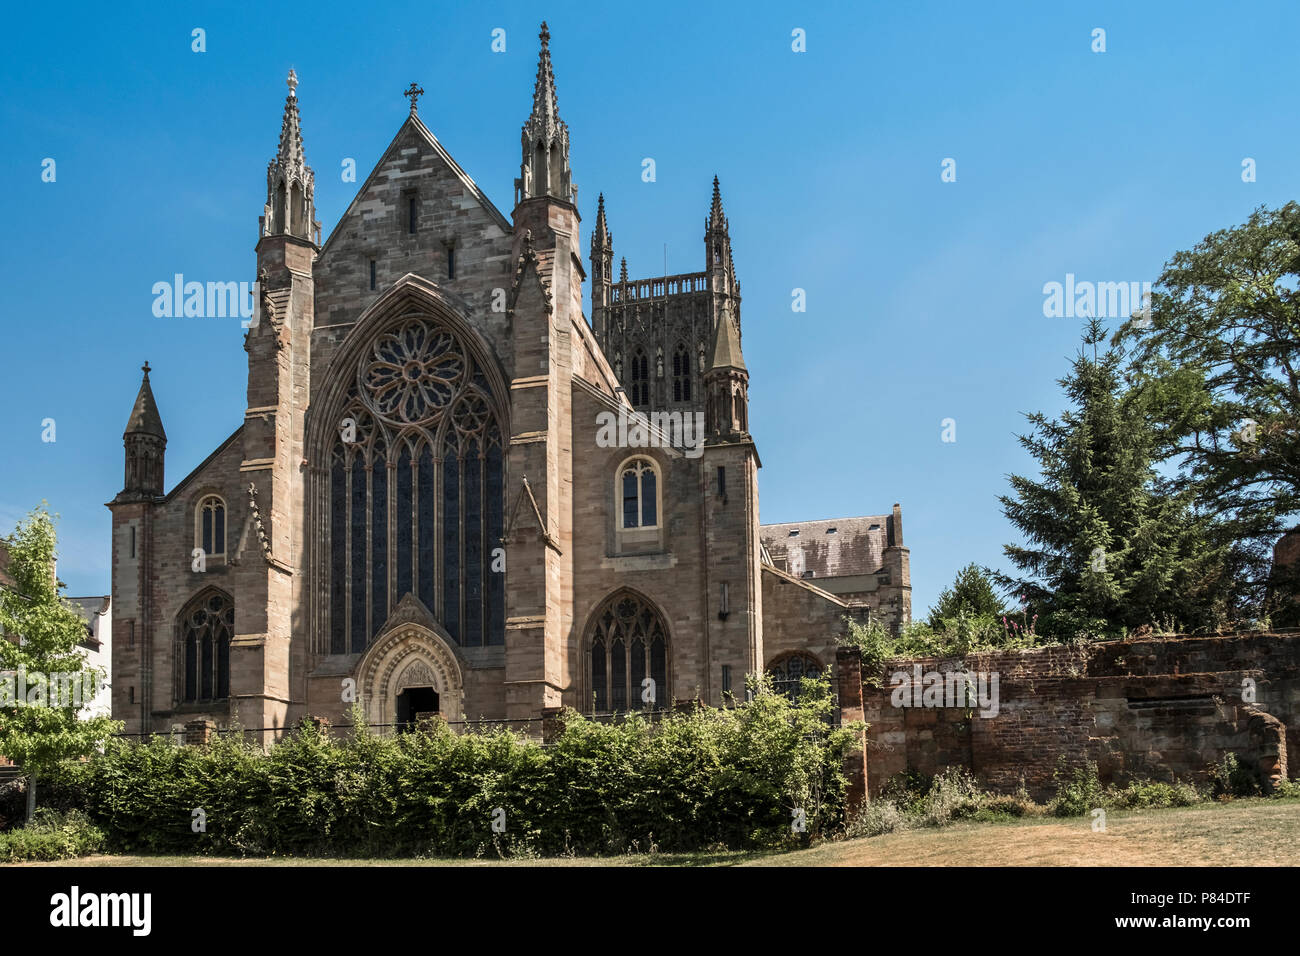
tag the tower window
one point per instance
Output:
(640, 378)
(412, 220)
(372, 273)
(722, 481)
(133, 541)
(726, 678)
(639, 487)
(451, 261)
(210, 527)
(681, 374)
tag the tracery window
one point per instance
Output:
(640, 378)
(204, 630)
(628, 658)
(417, 491)
(638, 490)
(681, 374)
(788, 671)
(210, 526)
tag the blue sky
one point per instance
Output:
(924, 297)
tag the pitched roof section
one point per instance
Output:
(414, 123)
(145, 419)
(835, 548)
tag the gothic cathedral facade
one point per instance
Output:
(426, 508)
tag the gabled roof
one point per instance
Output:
(414, 123)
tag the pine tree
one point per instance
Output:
(44, 680)
(971, 593)
(1109, 546)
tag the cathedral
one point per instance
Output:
(425, 507)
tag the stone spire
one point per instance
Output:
(726, 346)
(545, 139)
(290, 184)
(717, 221)
(145, 442)
(602, 248)
(145, 419)
(726, 385)
(717, 245)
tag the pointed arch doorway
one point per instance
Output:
(411, 671)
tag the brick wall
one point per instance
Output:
(1161, 709)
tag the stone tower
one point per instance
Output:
(544, 304)
(266, 669)
(733, 587)
(145, 444)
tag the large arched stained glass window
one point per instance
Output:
(204, 630)
(628, 656)
(417, 491)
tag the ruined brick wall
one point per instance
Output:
(1161, 709)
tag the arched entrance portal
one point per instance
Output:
(410, 672)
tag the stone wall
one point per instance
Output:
(1158, 709)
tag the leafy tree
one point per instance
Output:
(972, 592)
(1217, 364)
(1108, 545)
(41, 656)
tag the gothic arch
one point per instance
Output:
(410, 655)
(407, 442)
(625, 641)
(205, 628)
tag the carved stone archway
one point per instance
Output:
(410, 653)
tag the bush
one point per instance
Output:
(876, 818)
(736, 777)
(1228, 779)
(52, 836)
(1078, 791)
(1144, 795)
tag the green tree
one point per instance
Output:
(972, 592)
(1217, 363)
(1109, 546)
(39, 658)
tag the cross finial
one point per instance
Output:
(292, 80)
(414, 92)
(145, 368)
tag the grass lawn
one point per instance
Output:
(1240, 833)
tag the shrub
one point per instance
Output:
(52, 836)
(876, 818)
(735, 777)
(1078, 791)
(1228, 779)
(1142, 795)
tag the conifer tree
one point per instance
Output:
(1109, 545)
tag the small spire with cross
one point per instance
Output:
(292, 80)
(414, 92)
(145, 368)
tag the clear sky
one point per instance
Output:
(924, 297)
